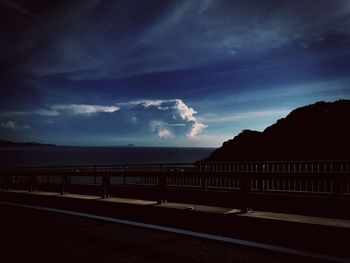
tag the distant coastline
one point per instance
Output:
(10, 144)
(4, 143)
(31, 156)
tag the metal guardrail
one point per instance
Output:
(321, 178)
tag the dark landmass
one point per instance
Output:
(24, 144)
(320, 131)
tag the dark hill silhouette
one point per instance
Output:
(23, 144)
(320, 131)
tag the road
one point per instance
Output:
(41, 236)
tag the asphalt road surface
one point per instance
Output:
(29, 235)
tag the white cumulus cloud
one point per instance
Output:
(165, 118)
(170, 119)
(12, 125)
(84, 108)
(164, 133)
(196, 129)
(60, 109)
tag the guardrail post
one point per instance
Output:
(339, 186)
(103, 192)
(162, 185)
(106, 183)
(124, 176)
(7, 179)
(244, 188)
(261, 181)
(95, 173)
(64, 183)
(204, 183)
(108, 186)
(31, 183)
(3, 181)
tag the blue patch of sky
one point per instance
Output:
(238, 64)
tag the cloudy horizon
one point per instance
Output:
(165, 73)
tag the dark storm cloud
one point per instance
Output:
(60, 59)
(15, 6)
(111, 39)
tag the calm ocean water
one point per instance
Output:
(61, 156)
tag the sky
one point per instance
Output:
(165, 73)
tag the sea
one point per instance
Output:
(86, 156)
